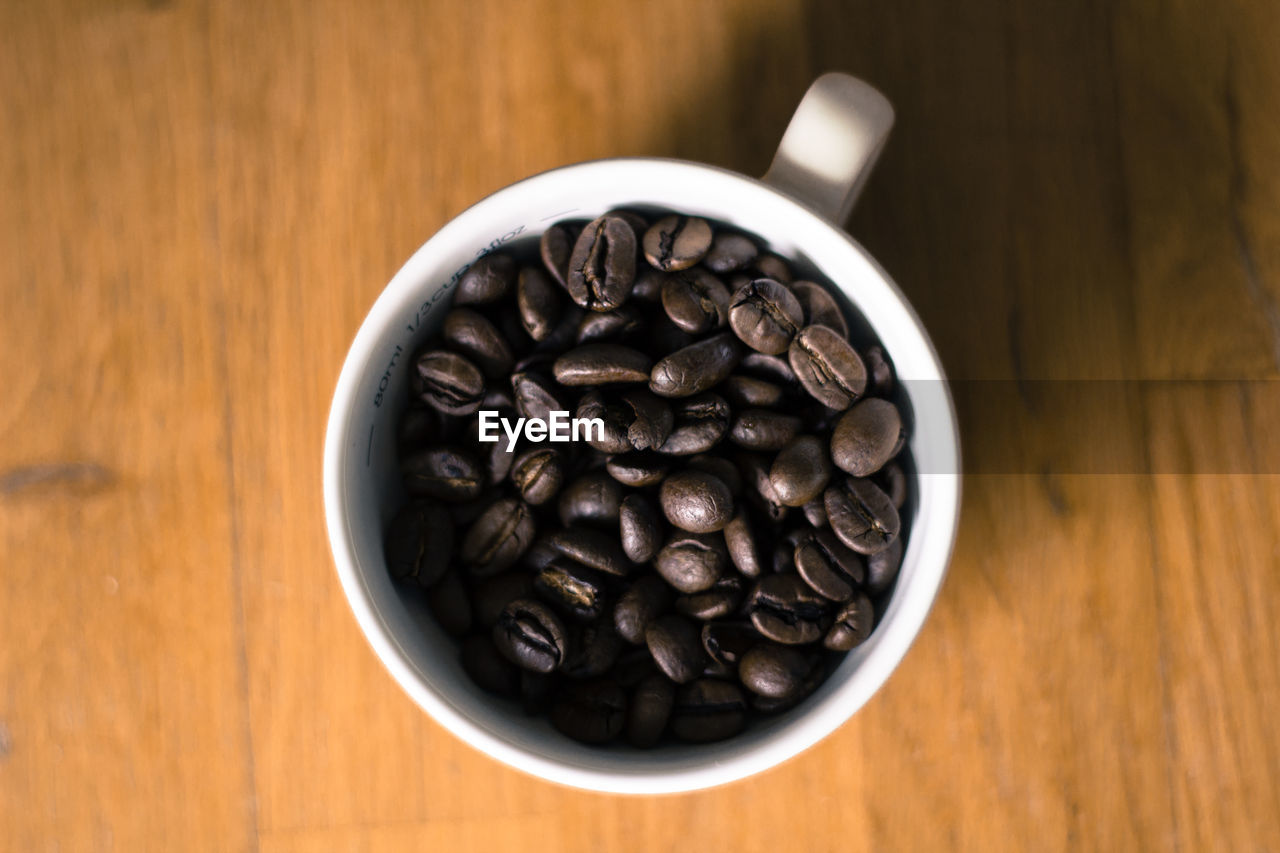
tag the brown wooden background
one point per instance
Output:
(199, 201)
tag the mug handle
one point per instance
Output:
(831, 144)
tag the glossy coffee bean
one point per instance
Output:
(742, 538)
(676, 645)
(750, 392)
(677, 242)
(708, 710)
(540, 303)
(573, 590)
(784, 609)
(610, 434)
(536, 396)
(637, 222)
(593, 650)
(638, 469)
(865, 437)
(700, 422)
(599, 327)
(648, 286)
(893, 481)
(883, 566)
(487, 668)
(445, 473)
(827, 566)
(652, 419)
(602, 267)
(644, 601)
(755, 470)
(722, 469)
(538, 473)
(853, 624)
(815, 512)
(695, 300)
(470, 334)
(730, 252)
(879, 372)
(696, 501)
(763, 429)
(555, 248)
(827, 367)
(601, 364)
(449, 604)
(775, 671)
(772, 266)
(726, 642)
(490, 595)
(771, 368)
(640, 528)
(594, 712)
(650, 710)
(486, 281)
(861, 515)
(498, 537)
(591, 547)
(692, 562)
(450, 383)
(765, 315)
(801, 471)
(593, 498)
(819, 307)
(530, 635)
(697, 367)
(419, 543)
(718, 602)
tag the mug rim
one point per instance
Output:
(805, 731)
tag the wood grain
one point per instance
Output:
(201, 200)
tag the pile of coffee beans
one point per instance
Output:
(712, 552)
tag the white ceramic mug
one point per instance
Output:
(825, 155)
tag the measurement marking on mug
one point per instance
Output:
(368, 450)
(561, 213)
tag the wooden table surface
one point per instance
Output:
(199, 202)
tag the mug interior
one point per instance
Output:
(362, 489)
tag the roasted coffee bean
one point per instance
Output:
(692, 562)
(638, 469)
(775, 671)
(729, 253)
(449, 382)
(621, 322)
(759, 486)
(720, 468)
(499, 456)
(640, 528)
(652, 420)
(882, 568)
(448, 603)
(445, 473)
(594, 498)
(634, 664)
(593, 650)
(819, 307)
(708, 710)
(537, 690)
(893, 481)
(538, 555)
(827, 566)
(645, 600)
(556, 247)
(697, 367)
(696, 501)
(538, 473)
(591, 547)
(727, 642)
(784, 609)
(594, 712)
(601, 364)
(748, 391)
(486, 281)
(771, 368)
(540, 303)
(490, 595)
(721, 600)
(531, 636)
(765, 315)
(742, 538)
(536, 396)
(575, 591)
(602, 267)
(677, 242)
(610, 435)
(419, 543)
(472, 335)
(853, 624)
(801, 471)
(815, 512)
(699, 424)
(865, 437)
(762, 429)
(827, 367)
(487, 668)
(772, 266)
(498, 537)
(879, 372)
(563, 335)
(648, 286)
(676, 645)
(637, 222)
(695, 300)
(650, 710)
(861, 515)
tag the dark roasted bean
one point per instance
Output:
(594, 712)
(486, 281)
(801, 471)
(784, 609)
(536, 396)
(449, 382)
(866, 436)
(676, 645)
(591, 547)
(762, 429)
(695, 300)
(697, 367)
(602, 267)
(648, 286)
(594, 498)
(538, 473)
(852, 626)
(498, 537)
(641, 530)
(827, 367)
(765, 315)
(677, 242)
(445, 473)
(653, 419)
(577, 592)
(820, 307)
(879, 372)
(696, 501)
(650, 710)
(893, 480)
(729, 253)
(530, 635)
(815, 512)
(646, 600)
(555, 248)
(708, 710)
(609, 325)
(720, 468)
(772, 266)
(638, 469)
(610, 435)
(593, 650)
(772, 368)
(491, 594)
(748, 391)
(472, 335)
(883, 566)
(861, 515)
(419, 543)
(601, 364)
(699, 424)
(742, 538)
(827, 566)
(540, 303)
(721, 600)
(692, 562)
(775, 671)
(727, 642)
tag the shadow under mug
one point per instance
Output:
(823, 160)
